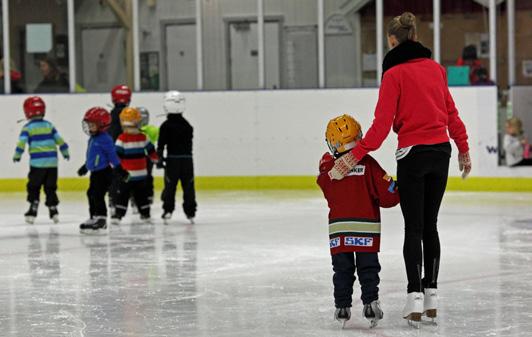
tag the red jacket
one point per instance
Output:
(354, 214)
(415, 99)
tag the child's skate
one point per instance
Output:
(94, 225)
(115, 220)
(145, 218)
(54, 214)
(373, 313)
(413, 309)
(430, 304)
(342, 315)
(166, 217)
(191, 219)
(31, 214)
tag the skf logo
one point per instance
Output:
(333, 243)
(357, 171)
(358, 241)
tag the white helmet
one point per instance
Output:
(145, 114)
(174, 102)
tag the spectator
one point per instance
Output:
(469, 58)
(516, 147)
(53, 79)
(15, 75)
(482, 77)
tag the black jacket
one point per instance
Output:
(53, 85)
(175, 135)
(115, 129)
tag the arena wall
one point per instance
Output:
(267, 134)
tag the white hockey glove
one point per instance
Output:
(464, 164)
(342, 166)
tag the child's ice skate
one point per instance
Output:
(413, 309)
(145, 218)
(31, 214)
(94, 225)
(115, 220)
(166, 217)
(191, 219)
(430, 304)
(373, 313)
(342, 315)
(54, 214)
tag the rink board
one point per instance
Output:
(264, 139)
(480, 184)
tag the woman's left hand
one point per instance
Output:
(342, 166)
(464, 164)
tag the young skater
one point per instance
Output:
(100, 160)
(152, 132)
(42, 139)
(133, 148)
(354, 219)
(175, 136)
(121, 97)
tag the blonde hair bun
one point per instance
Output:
(407, 20)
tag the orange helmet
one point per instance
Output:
(342, 133)
(130, 116)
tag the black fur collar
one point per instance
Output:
(405, 52)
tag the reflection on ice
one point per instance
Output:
(254, 264)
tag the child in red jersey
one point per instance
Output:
(132, 147)
(354, 219)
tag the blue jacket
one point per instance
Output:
(101, 152)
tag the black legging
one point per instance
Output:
(422, 178)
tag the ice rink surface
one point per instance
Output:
(255, 264)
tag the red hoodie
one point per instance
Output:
(415, 99)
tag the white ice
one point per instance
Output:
(255, 264)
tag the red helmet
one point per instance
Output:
(34, 107)
(98, 116)
(121, 94)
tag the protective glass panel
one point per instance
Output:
(104, 44)
(343, 43)
(39, 46)
(167, 41)
(291, 44)
(230, 44)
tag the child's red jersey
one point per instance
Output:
(354, 214)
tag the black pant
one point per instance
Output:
(140, 194)
(42, 177)
(179, 169)
(367, 267)
(524, 162)
(422, 179)
(149, 180)
(98, 187)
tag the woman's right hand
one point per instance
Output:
(464, 164)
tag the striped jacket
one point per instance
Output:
(354, 213)
(132, 149)
(42, 139)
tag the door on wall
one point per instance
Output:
(103, 58)
(244, 55)
(181, 70)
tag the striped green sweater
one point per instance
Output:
(42, 139)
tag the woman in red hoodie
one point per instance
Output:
(415, 100)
